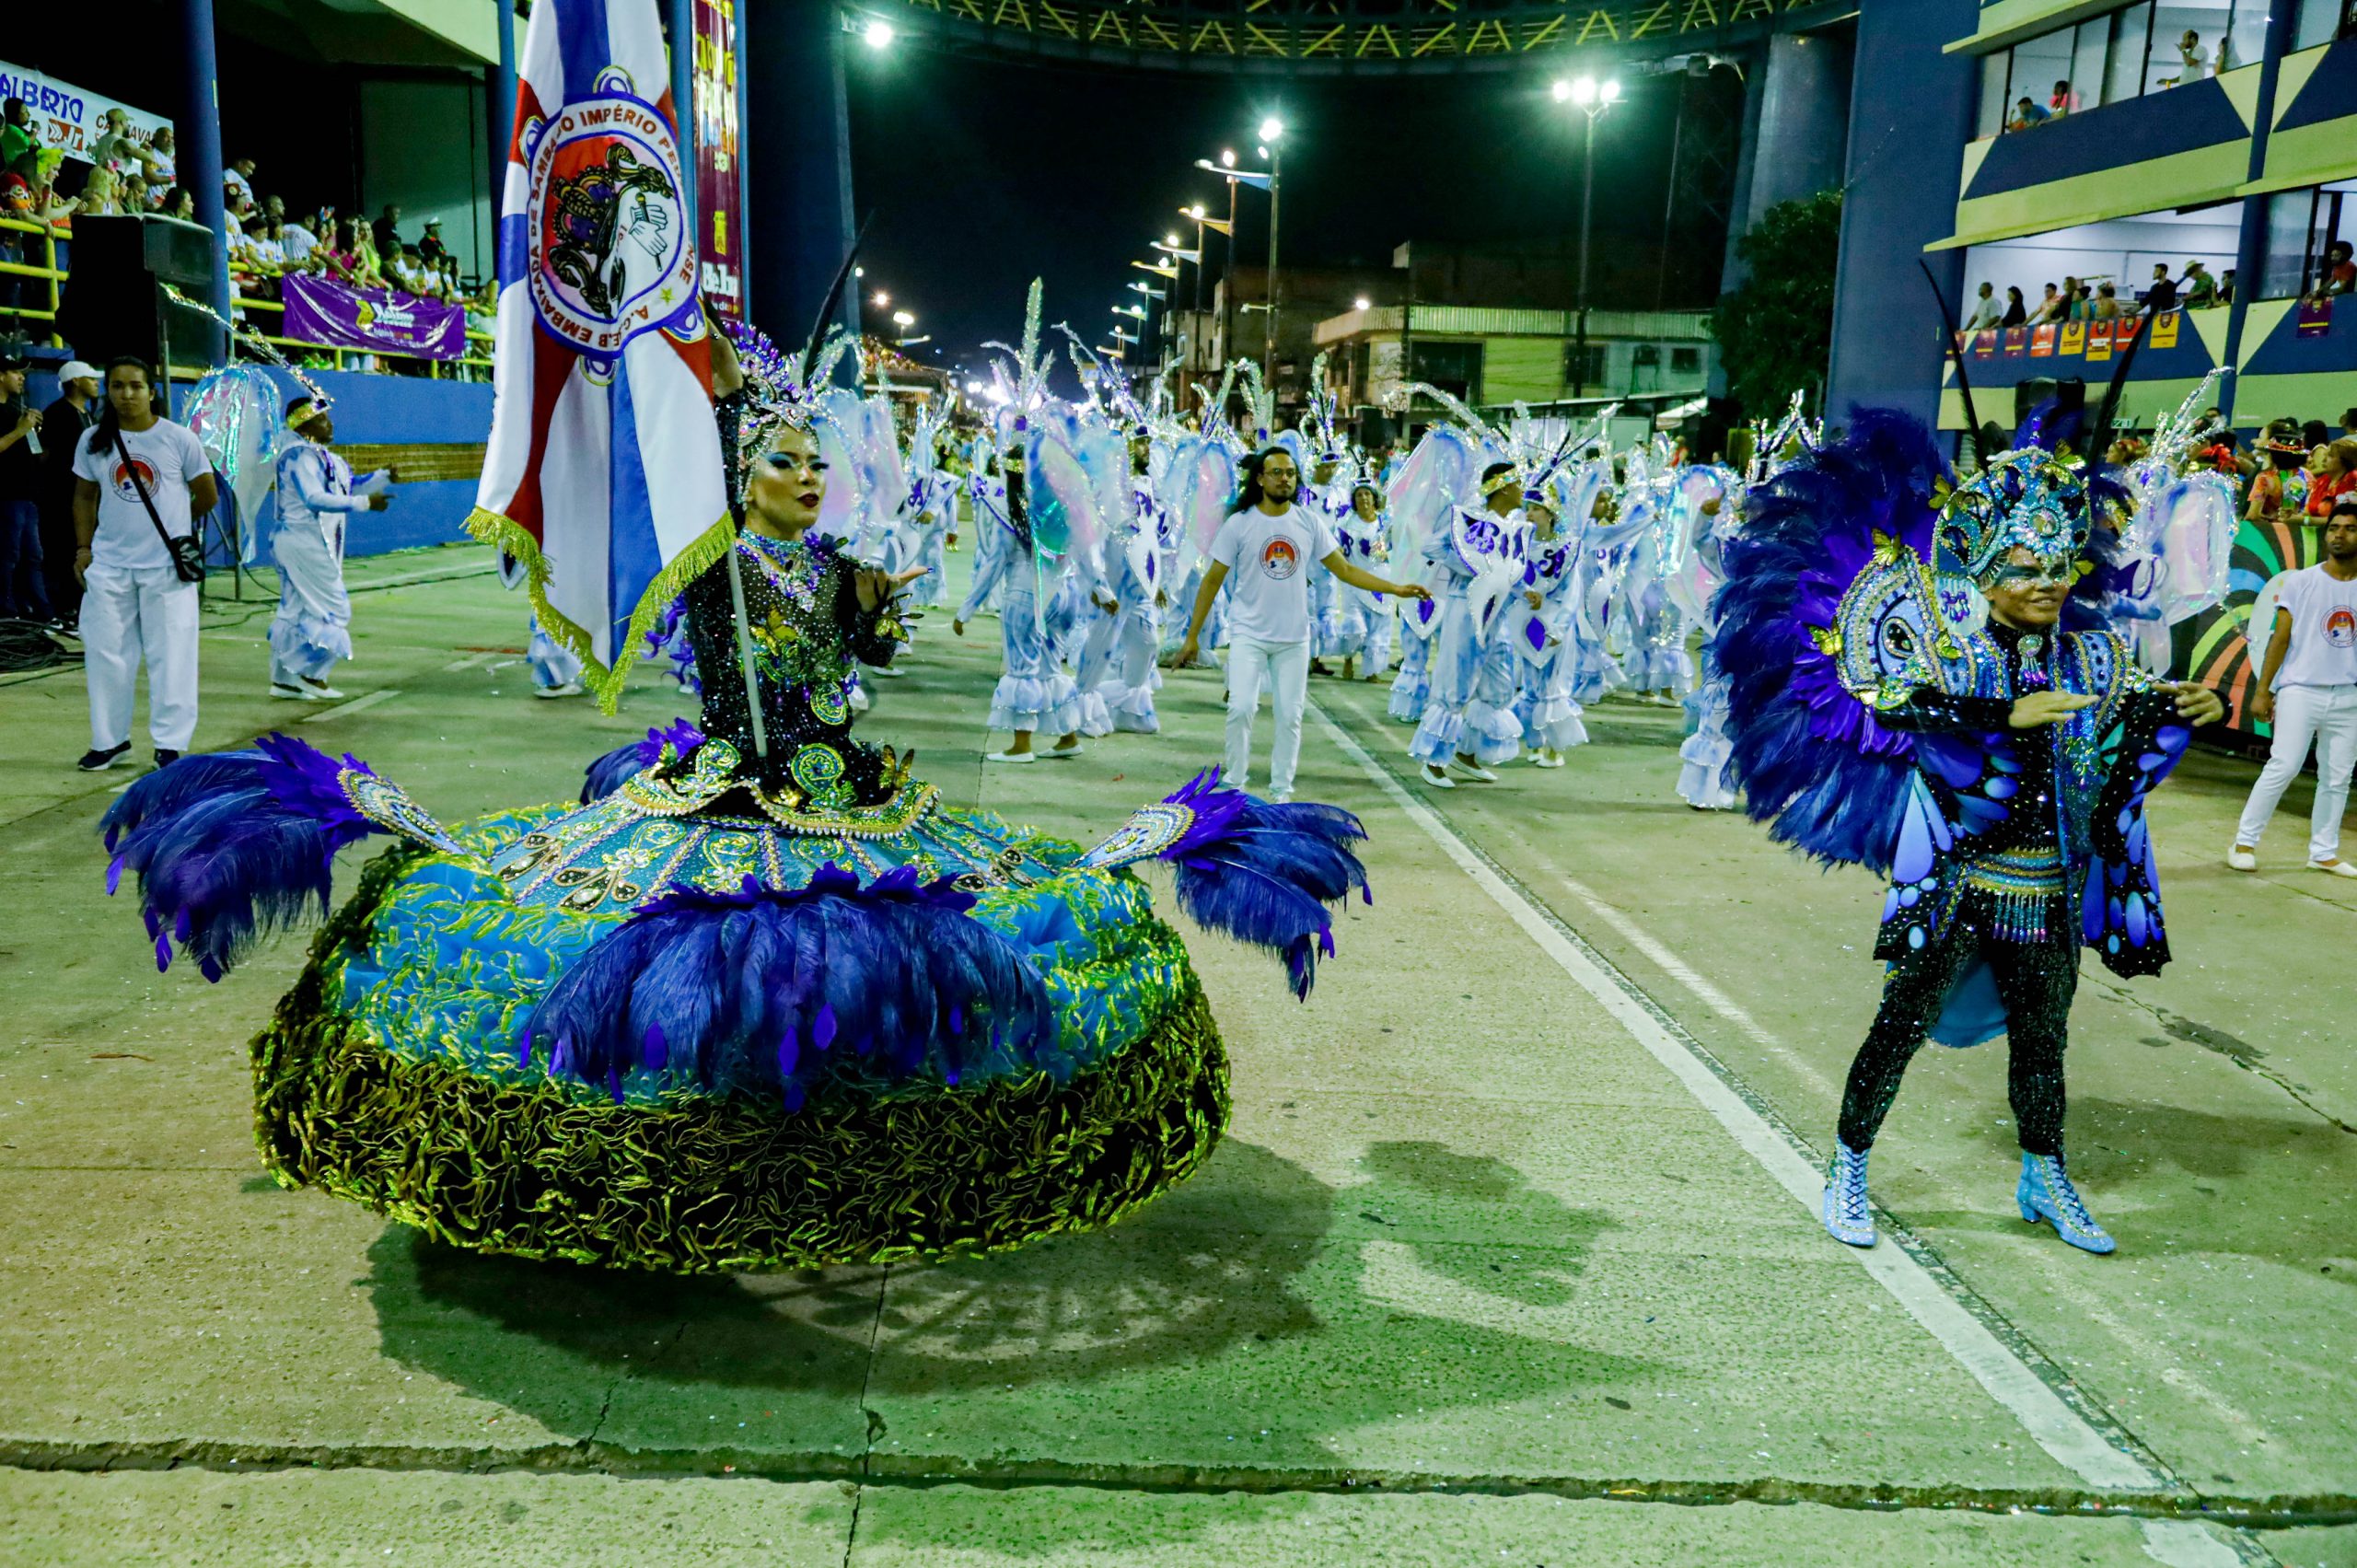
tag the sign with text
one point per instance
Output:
(719, 216)
(321, 310)
(66, 117)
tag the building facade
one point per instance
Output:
(2108, 141)
(1496, 357)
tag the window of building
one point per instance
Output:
(1686, 361)
(2321, 21)
(2147, 47)
(2310, 234)
(1454, 368)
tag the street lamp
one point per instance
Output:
(1272, 131)
(1362, 303)
(903, 319)
(882, 299)
(877, 35)
(1593, 100)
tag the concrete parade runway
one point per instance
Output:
(1510, 1256)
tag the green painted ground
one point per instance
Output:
(1475, 1277)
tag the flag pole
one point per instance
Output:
(745, 650)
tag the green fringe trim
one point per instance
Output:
(702, 1186)
(705, 551)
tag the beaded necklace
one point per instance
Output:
(791, 566)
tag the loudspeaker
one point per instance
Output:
(2070, 397)
(114, 301)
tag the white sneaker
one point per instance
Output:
(322, 691)
(1010, 757)
(569, 689)
(294, 693)
(2333, 867)
(1063, 752)
(1437, 776)
(1285, 797)
(2241, 859)
(1549, 759)
(1473, 770)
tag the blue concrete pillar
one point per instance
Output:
(1732, 269)
(198, 136)
(1911, 114)
(502, 83)
(2250, 248)
(1802, 138)
(797, 199)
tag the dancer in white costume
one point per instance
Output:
(316, 491)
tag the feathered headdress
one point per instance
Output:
(1258, 427)
(1019, 376)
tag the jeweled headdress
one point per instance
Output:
(782, 390)
(2031, 498)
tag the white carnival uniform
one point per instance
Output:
(313, 627)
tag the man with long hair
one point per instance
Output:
(1269, 542)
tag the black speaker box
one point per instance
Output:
(114, 301)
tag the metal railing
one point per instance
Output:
(48, 270)
(52, 276)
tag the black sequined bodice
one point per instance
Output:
(807, 632)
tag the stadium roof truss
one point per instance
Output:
(1338, 36)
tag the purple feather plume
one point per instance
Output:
(764, 991)
(1815, 765)
(230, 846)
(1263, 873)
(608, 772)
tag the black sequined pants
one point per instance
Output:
(2034, 981)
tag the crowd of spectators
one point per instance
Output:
(2098, 299)
(265, 242)
(2291, 471)
(2195, 61)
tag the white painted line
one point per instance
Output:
(470, 662)
(354, 706)
(2051, 1422)
(1710, 995)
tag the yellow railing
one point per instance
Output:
(53, 277)
(48, 270)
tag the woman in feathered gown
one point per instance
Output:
(760, 999)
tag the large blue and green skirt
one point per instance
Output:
(392, 1074)
(689, 1026)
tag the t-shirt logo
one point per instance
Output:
(122, 478)
(2340, 627)
(1279, 558)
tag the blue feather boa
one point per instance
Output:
(765, 990)
(230, 846)
(1263, 873)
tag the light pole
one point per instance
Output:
(1593, 100)
(1225, 169)
(1179, 256)
(1272, 131)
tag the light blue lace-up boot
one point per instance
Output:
(1846, 1215)
(2046, 1193)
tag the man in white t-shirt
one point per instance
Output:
(2308, 688)
(1269, 543)
(133, 605)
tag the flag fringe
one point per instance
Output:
(706, 550)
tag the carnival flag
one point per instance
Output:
(603, 476)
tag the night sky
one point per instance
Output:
(984, 174)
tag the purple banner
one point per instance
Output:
(321, 310)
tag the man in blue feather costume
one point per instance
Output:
(1922, 683)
